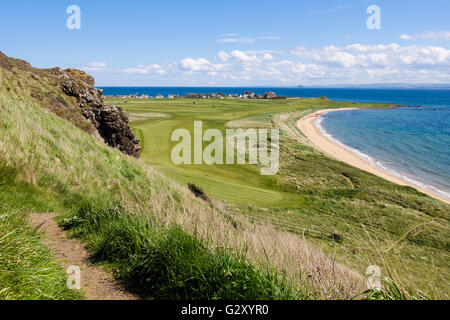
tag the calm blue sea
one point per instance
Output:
(412, 143)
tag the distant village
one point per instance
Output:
(219, 95)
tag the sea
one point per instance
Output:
(411, 142)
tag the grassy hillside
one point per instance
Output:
(162, 240)
(307, 233)
(313, 196)
(21, 82)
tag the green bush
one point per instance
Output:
(168, 263)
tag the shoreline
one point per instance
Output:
(307, 125)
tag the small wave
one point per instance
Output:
(380, 164)
(329, 136)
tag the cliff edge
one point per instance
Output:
(71, 95)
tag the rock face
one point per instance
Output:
(71, 95)
(113, 127)
(110, 121)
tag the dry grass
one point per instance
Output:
(304, 265)
(51, 154)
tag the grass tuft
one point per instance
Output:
(165, 262)
(28, 270)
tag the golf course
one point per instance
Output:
(356, 217)
(156, 122)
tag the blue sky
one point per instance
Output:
(247, 42)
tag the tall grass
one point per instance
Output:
(72, 168)
(165, 262)
(391, 290)
(403, 231)
(27, 268)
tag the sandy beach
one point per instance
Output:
(308, 127)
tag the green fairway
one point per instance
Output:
(237, 183)
(396, 227)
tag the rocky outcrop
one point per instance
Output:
(113, 127)
(71, 95)
(110, 121)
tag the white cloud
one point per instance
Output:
(201, 64)
(263, 51)
(358, 55)
(430, 35)
(406, 37)
(196, 64)
(95, 66)
(268, 57)
(234, 38)
(380, 63)
(227, 35)
(355, 63)
(145, 69)
(242, 56)
(223, 56)
(245, 57)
